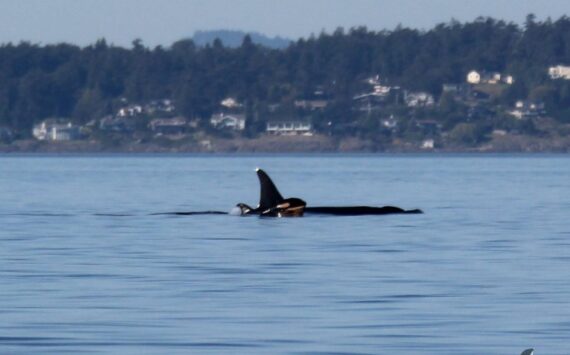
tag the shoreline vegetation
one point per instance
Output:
(294, 144)
(480, 86)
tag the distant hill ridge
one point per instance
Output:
(231, 38)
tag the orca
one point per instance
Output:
(528, 352)
(272, 204)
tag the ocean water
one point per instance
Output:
(84, 268)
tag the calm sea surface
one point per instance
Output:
(84, 268)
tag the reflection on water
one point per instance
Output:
(85, 269)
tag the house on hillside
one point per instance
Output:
(483, 77)
(373, 80)
(377, 88)
(376, 83)
(234, 122)
(474, 77)
(525, 109)
(378, 91)
(53, 130)
(559, 72)
(230, 103)
(372, 100)
(428, 144)
(390, 123)
(160, 106)
(418, 99)
(169, 126)
(130, 111)
(289, 128)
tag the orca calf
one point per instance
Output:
(272, 204)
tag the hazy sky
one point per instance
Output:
(165, 21)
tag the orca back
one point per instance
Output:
(269, 196)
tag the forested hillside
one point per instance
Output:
(63, 80)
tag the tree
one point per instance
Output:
(469, 134)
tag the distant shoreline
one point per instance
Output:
(290, 145)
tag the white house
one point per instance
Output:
(289, 128)
(390, 123)
(493, 78)
(373, 80)
(230, 102)
(508, 79)
(130, 111)
(418, 99)
(428, 144)
(559, 72)
(377, 88)
(474, 77)
(382, 90)
(234, 122)
(527, 109)
(51, 130)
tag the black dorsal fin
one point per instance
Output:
(269, 196)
